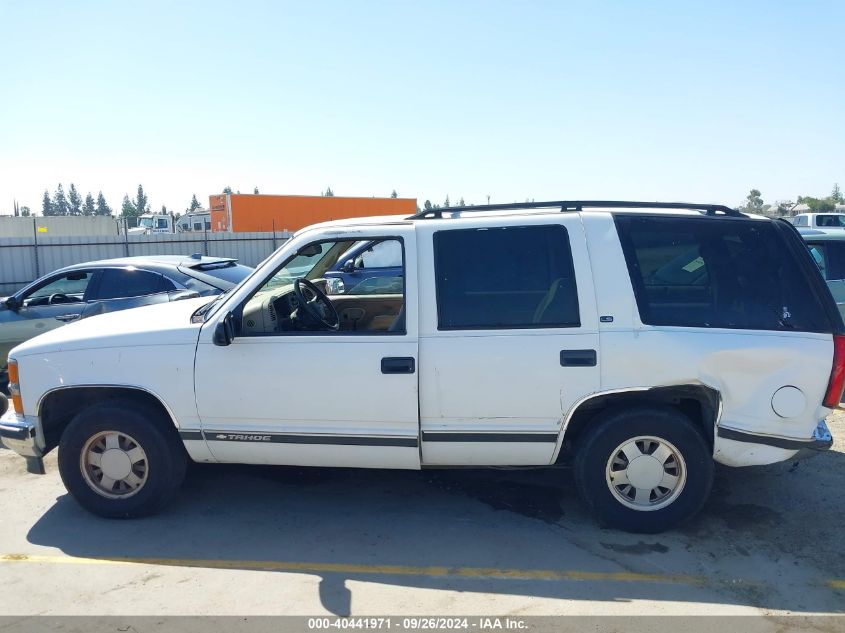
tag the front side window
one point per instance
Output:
(712, 272)
(120, 283)
(67, 288)
(505, 277)
(296, 298)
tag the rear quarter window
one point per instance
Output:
(714, 272)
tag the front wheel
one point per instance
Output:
(121, 460)
(645, 469)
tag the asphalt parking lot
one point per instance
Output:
(259, 540)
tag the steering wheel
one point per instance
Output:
(318, 307)
(58, 297)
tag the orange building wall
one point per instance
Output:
(258, 212)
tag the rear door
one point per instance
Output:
(508, 338)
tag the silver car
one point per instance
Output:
(91, 288)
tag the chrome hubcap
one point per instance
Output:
(114, 465)
(646, 473)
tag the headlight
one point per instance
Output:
(334, 286)
(15, 386)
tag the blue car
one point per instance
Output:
(367, 268)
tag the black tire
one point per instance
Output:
(610, 430)
(164, 466)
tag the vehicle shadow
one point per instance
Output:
(466, 530)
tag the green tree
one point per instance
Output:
(461, 202)
(127, 210)
(227, 189)
(140, 202)
(446, 204)
(195, 204)
(818, 205)
(88, 208)
(255, 190)
(836, 194)
(74, 201)
(102, 207)
(393, 194)
(427, 205)
(46, 205)
(329, 193)
(753, 202)
(25, 212)
(60, 206)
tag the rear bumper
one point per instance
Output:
(821, 439)
(18, 433)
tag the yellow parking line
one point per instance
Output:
(836, 584)
(348, 568)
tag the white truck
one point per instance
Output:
(150, 223)
(640, 342)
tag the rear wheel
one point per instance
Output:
(644, 470)
(120, 459)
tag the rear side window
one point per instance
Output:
(712, 272)
(505, 277)
(831, 220)
(118, 283)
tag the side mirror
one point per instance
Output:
(11, 303)
(224, 333)
(348, 266)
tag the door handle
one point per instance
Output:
(397, 365)
(68, 317)
(578, 358)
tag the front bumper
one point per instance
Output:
(18, 433)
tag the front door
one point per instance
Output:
(56, 301)
(289, 389)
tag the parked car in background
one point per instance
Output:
(83, 290)
(369, 267)
(828, 251)
(819, 220)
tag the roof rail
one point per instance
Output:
(572, 206)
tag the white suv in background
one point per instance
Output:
(640, 341)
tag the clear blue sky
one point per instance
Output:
(640, 100)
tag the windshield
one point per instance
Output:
(147, 223)
(310, 262)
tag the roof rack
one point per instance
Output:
(573, 206)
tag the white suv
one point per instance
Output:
(640, 341)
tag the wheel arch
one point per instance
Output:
(700, 403)
(57, 407)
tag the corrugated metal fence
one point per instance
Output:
(23, 260)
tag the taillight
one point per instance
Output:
(15, 387)
(833, 395)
